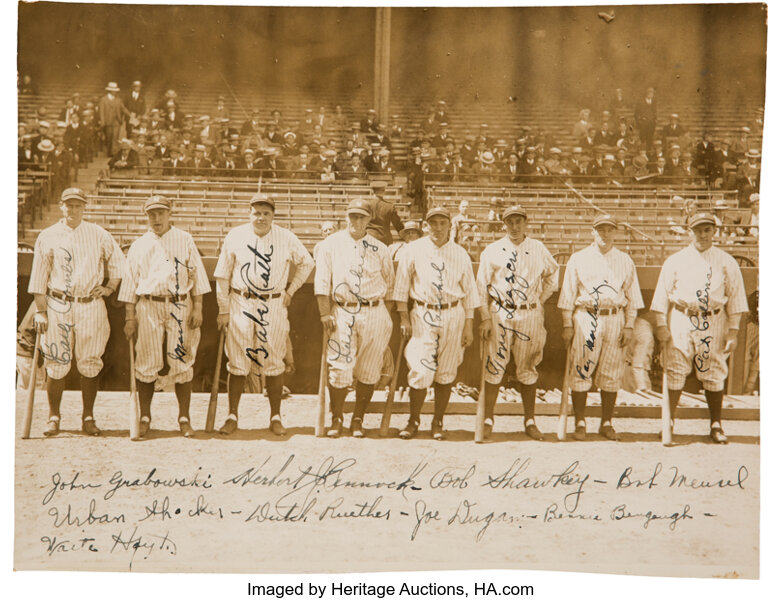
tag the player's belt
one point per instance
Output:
(357, 304)
(437, 306)
(171, 297)
(602, 311)
(254, 296)
(530, 306)
(68, 298)
(695, 313)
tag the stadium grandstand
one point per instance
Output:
(648, 116)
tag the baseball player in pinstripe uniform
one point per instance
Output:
(517, 275)
(599, 301)
(353, 279)
(699, 300)
(436, 275)
(71, 259)
(163, 289)
(253, 294)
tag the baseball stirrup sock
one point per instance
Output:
(529, 397)
(337, 396)
(146, 389)
(491, 393)
(54, 389)
(89, 390)
(183, 394)
(608, 404)
(441, 399)
(274, 393)
(235, 389)
(715, 400)
(579, 406)
(416, 400)
(363, 395)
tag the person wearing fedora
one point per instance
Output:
(353, 282)
(111, 115)
(599, 300)
(699, 301)
(126, 158)
(135, 101)
(517, 275)
(435, 275)
(162, 288)
(253, 296)
(71, 259)
(383, 214)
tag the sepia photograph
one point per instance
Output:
(381, 289)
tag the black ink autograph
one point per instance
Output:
(584, 370)
(434, 320)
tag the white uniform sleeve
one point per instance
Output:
(303, 262)
(569, 288)
(324, 269)
(42, 268)
(401, 286)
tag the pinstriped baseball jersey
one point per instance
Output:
(163, 265)
(610, 279)
(352, 272)
(72, 260)
(260, 266)
(422, 265)
(706, 282)
(509, 277)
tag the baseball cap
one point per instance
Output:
(359, 206)
(411, 226)
(378, 184)
(700, 219)
(604, 220)
(262, 199)
(74, 193)
(157, 201)
(437, 211)
(515, 209)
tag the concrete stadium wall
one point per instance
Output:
(306, 337)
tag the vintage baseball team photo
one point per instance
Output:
(389, 288)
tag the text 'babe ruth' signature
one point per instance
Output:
(434, 319)
(257, 282)
(179, 351)
(353, 294)
(700, 322)
(60, 351)
(584, 370)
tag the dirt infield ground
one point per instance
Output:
(256, 503)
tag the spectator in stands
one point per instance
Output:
(430, 124)
(173, 163)
(583, 161)
(645, 118)
(70, 109)
(358, 138)
(529, 164)
(511, 170)
(270, 169)
(162, 149)
(221, 110)
(355, 171)
(383, 163)
(658, 168)
(111, 115)
(754, 218)
(589, 140)
(272, 136)
(125, 159)
(687, 167)
(440, 112)
(172, 118)
(674, 168)
(415, 178)
(384, 214)
(61, 164)
(307, 126)
(328, 170)
(26, 152)
(26, 86)
(326, 229)
(276, 118)
(369, 122)
(673, 132)
(199, 165)
(581, 128)
(747, 176)
(145, 151)
(723, 219)
(248, 166)
(300, 167)
(207, 132)
(155, 121)
(42, 153)
(718, 166)
(485, 169)
(622, 131)
(460, 221)
(495, 215)
(703, 154)
(639, 167)
(440, 140)
(452, 164)
(135, 102)
(552, 164)
(740, 146)
(395, 130)
(251, 125)
(469, 150)
(485, 136)
(409, 233)
(290, 147)
(224, 162)
(604, 136)
(381, 137)
(72, 137)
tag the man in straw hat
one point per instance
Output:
(111, 115)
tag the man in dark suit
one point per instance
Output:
(199, 165)
(645, 118)
(125, 159)
(135, 102)
(111, 115)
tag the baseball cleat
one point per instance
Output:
(717, 435)
(88, 426)
(143, 427)
(356, 428)
(53, 427)
(580, 433)
(606, 430)
(276, 426)
(437, 431)
(410, 430)
(231, 424)
(533, 432)
(185, 428)
(335, 430)
(488, 428)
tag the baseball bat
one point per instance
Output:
(667, 434)
(320, 424)
(135, 406)
(28, 412)
(564, 404)
(386, 413)
(212, 410)
(480, 418)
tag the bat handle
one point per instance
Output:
(28, 413)
(480, 416)
(320, 423)
(561, 433)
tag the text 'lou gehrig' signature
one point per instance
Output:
(258, 285)
(584, 370)
(352, 291)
